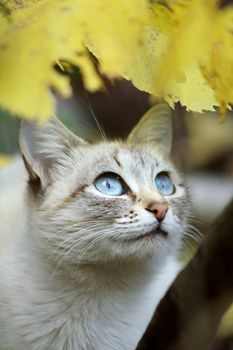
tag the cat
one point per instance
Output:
(90, 236)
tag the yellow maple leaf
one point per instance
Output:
(38, 36)
(159, 66)
(186, 42)
(170, 48)
(200, 49)
(217, 64)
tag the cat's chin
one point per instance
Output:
(141, 246)
(152, 234)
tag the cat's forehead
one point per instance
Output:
(119, 157)
(134, 156)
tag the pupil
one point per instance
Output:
(108, 185)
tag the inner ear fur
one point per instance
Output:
(44, 147)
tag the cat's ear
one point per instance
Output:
(45, 147)
(155, 127)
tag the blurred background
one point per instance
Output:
(203, 147)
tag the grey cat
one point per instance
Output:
(91, 243)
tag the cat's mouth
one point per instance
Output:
(158, 231)
(148, 235)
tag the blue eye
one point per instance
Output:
(164, 184)
(110, 184)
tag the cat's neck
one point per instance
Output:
(85, 278)
(96, 303)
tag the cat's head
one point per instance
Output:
(107, 201)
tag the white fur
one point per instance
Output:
(102, 309)
(74, 273)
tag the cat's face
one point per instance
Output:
(105, 202)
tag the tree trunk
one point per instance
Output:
(188, 316)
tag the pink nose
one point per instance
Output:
(159, 209)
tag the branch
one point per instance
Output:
(189, 314)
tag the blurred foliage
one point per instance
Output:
(226, 326)
(210, 144)
(8, 137)
(9, 134)
(42, 34)
(179, 49)
(4, 160)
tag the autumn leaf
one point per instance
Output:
(217, 65)
(38, 36)
(202, 39)
(181, 50)
(159, 67)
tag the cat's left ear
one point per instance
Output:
(45, 148)
(155, 127)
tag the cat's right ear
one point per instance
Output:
(45, 148)
(155, 127)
